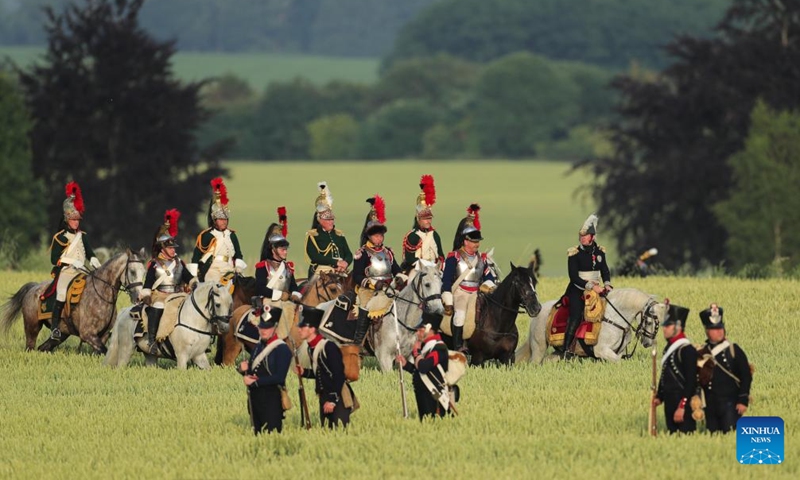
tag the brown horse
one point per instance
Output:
(94, 315)
(323, 287)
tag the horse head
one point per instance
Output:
(652, 316)
(134, 273)
(524, 282)
(322, 287)
(218, 306)
(426, 284)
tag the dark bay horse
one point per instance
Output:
(94, 316)
(496, 334)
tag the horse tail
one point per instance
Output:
(112, 355)
(117, 348)
(13, 307)
(523, 353)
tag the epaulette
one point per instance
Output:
(150, 263)
(261, 264)
(452, 254)
(290, 266)
(338, 232)
(409, 247)
(56, 240)
(359, 253)
(312, 233)
(572, 251)
(602, 248)
(199, 243)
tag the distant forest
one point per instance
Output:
(609, 33)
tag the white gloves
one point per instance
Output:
(447, 298)
(239, 265)
(297, 296)
(94, 262)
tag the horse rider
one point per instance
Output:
(588, 271)
(725, 374)
(69, 251)
(678, 382)
(374, 269)
(275, 279)
(217, 252)
(336, 398)
(466, 270)
(423, 242)
(430, 360)
(166, 275)
(265, 373)
(326, 246)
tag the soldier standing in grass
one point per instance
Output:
(69, 251)
(217, 252)
(265, 373)
(587, 266)
(336, 398)
(326, 246)
(678, 382)
(430, 361)
(423, 242)
(725, 374)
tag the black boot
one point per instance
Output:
(569, 337)
(55, 320)
(458, 338)
(362, 325)
(153, 318)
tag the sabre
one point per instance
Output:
(400, 368)
(651, 419)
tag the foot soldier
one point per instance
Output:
(265, 374)
(725, 374)
(166, 275)
(336, 398)
(374, 269)
(429, 361)
(69, 251)
(465, 271)
(326, 246)
(217, 252)
(423, 242)
(678, 382)
(587, 266)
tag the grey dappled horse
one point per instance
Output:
(637, 315)
(93, 317)
(208, 305)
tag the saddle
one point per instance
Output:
(474, 307)
(588, 331)
(48, 299)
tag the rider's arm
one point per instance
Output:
(360, 269)
(449, 275)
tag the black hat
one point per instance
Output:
(432, 319)
(310, 317)
(676, 315)
(376, 218)
(269, 317)
(712, 317)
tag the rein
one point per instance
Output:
(416, 288)
(208, 318)
(519, 309)
(639, 330)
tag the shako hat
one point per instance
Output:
(676, 315)
(712, 317)
(310, 317)
(432, 319)
(269, 316)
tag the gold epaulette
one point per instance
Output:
(602, 248)
(312, 233)
(199, 243)
(56, 240)
(572, 251)
(338, 232)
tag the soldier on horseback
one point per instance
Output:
(374, 269)
(466, 270)
(588, 271)
(69, 250)
(217, 252)
(166, 275)
(423, 242)
(326, 246)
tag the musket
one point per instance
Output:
(305, 418)
(651, 419)
(400, 369)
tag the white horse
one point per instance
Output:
(423, 292)
(208, 305)
(629, 313)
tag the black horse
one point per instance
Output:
(496, 334)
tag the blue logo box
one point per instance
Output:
(759, 440)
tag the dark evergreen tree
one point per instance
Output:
(678, 130)
(109, 113)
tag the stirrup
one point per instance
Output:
(55, 334)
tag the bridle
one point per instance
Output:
(124, 287)
(640, 331)
(416, 288)
(210, 306)
(522, 307)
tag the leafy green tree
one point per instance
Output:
(396, 130)
(521, 100)
(678, 130)
(333, 137)
(281, 118)
(441, 81)
(22, 201)
(762, 214)
(108, 113)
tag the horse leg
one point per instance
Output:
(201, 360)
(93, 340)
(604, 352)
(32, 330)
(51, 344)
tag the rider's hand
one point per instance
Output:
(296, 297)
(341, 265)
(94, 262)
(598, 289)
(448, 310)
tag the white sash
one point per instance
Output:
(263, 354)
(276, 294)
(70, 250)
(719, 348)
(676, 345)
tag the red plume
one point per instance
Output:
(284, 221)
(473, 210)
(172, 216)
(428, 188)
(380, 209)
(74, 189)
(219, 186)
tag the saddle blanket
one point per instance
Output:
(338, 321)
(377, 303)
(48, 299)
(246, 326)
(169, 319)
(557, 326)
(469, 321)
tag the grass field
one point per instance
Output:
(582, 418)
(257, 69)
(525, 205)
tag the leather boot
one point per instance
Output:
(458, 338)
(569, 338)
(362, 325)
(58, 307)
(153, 319)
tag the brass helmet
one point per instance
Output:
(323, 205)
(376, 218)
(219, 204)
(426, 197)
(276, 234)
(167, 232)
(469, 227)
(73, 205)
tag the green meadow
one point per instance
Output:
(259, 69)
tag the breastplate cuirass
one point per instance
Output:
(380, 267)
(169, 277)
(277, 281)
(474, 275)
